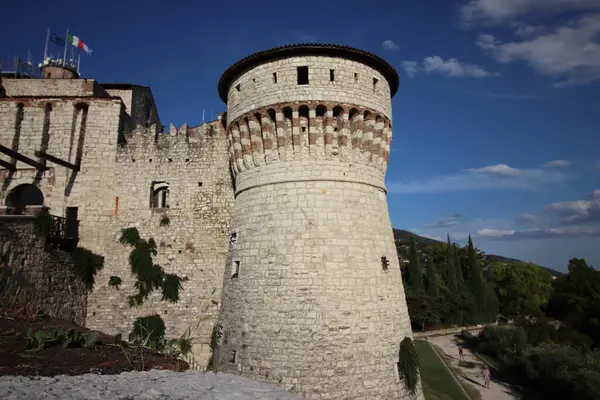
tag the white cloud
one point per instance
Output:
(498, 169)
(445, 222)
(578, 211)
(495, 11)
(572, 231)
(389, 45)
(302, 36)
(527, 219)
(495, 177)
(571, 52)
(557, 163)
(410, 67)
(528, 30)
(450, 67)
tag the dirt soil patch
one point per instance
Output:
(56, 360)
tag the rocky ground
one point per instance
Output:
(56, 360)
(107, 372)
(147, 385)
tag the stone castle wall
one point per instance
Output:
(307, 300)
(51, 273)
(193, 162)
(52, 87)
(119, 162)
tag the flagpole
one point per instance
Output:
(46, 47)
(65, 52)
(78, 59)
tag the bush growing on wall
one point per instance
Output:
(150, 330)
(408, 367)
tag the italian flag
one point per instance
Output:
(75, 41)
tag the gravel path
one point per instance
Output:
(497, 391)
(150, 385)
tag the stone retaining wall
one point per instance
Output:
(450, 331)
(50, 272)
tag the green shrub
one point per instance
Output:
(148, 331)
(503, 343)
(408, 367)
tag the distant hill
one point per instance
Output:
(404, 236)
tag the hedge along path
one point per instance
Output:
(497, 390)
(438, 381)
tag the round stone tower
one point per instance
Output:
(313, 297)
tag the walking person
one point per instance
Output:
(461, 356)
(486, 376)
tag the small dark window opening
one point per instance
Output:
(355, 77)
(235, 270)
(331, 75)
(233, 238)
(303, 129)
(233, 358)
(385, 263)
(237, 87)
(302, 75)
(199, 184)
(274, 77)
(375, 81)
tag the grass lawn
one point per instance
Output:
(437, 381)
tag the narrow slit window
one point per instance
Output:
(220, 335)
(302, 75)
(355, 77)
(233, 357)
(375, 82)
(237, 87)
(331, 75)
(274, 77)
(235, 270)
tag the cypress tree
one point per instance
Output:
(415, 277)
(433, 288)
(451, 277)
(460, 279)
(476, 283)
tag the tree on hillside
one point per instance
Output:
(522, 288)
(415, 276)
(576, 299)
(450, 272)
(476, 282)
(460, 278)
(433, 287)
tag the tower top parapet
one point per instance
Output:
(308, 49)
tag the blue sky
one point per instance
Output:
(496, 120)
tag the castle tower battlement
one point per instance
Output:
(312, 294)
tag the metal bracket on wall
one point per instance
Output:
(57, 160)
(20, 157)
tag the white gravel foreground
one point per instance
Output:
(148, 385)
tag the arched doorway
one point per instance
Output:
(24, 195)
